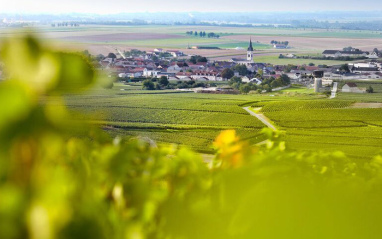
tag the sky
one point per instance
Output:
(121, 6)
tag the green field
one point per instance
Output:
(310, 121)
(328, 125)
(274, 59)
(168, 116)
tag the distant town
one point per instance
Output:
(174, 65)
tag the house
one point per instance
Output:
(175, 53)
(105, 64)
(373, 55)
(210, 75)
(336, 53)
(174, 69)
(158, 50)
(134, 73)
(352, 88)
(256, 81)
(201, 78)
(195, 66)
(185, 78)
(181, 75)
(150, 73)
(245, 79)
(298, 74)
(279, 46)
(168, 75)
(363, 68)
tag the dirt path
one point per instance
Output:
(209, 157)
(261, 117)
(367, 105)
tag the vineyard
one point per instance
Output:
(328, 125)
(302, 105)
(168, 116)
(196, 119)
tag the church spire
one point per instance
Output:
(250, 48)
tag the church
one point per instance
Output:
(249, 61)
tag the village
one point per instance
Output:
(177, 66)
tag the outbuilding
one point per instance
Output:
(352, 88)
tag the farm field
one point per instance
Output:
(273, 58)
(327, 125)
(309, 121)
(100, 39)
(174, 117)
(168, 116)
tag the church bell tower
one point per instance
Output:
(250, 51)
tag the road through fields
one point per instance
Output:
(261, 117)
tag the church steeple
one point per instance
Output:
(250, 51)
(250, 48)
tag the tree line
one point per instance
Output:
(65, 24)
(203, 34)
(286, 43)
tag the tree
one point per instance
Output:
(242, 69)
(148, 85)
(100, 57)
(344, 68)
(245, 88)
(196, 33)
(202, 59)
(86, 53)
(111, 55)
(227, 73)
(154, 58)
(235, 79)
(197, 58)
(290, 67)
(253, 86)
(369, 89)
(267, 88)
(285, 80)
(163, 81)
(236, 85)
(276, 83)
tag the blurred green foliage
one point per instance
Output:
(54, 184)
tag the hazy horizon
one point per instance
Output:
(119, 6)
